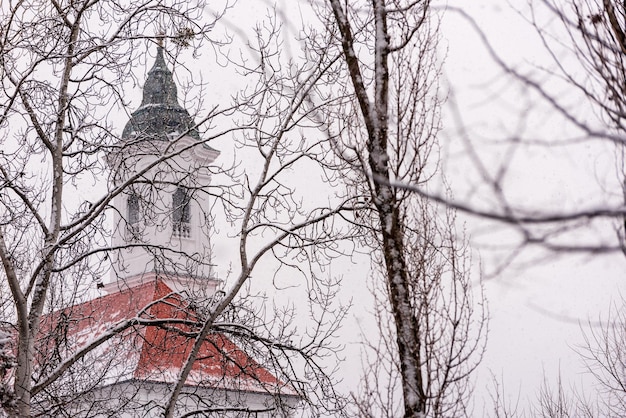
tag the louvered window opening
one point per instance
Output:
(181, 214)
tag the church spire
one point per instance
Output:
(160, 87)
(160, 116)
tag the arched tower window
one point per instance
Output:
(181, 213)
(133, 209)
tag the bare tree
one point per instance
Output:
(585, 41)
(57, 72)
(604, 357)
(65, 67)
(579, 86)
(382, 125)
(597, 39)
(596, 35)
(452, 322)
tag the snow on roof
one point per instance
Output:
(158, 335)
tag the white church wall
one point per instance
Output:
(138, 399)
(154, 243)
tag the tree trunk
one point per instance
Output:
(384, 198)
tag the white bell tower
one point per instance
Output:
(161, 222)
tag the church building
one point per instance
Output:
(160, 289)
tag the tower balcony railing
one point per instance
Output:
(182, 229)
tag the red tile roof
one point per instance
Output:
(156, 346)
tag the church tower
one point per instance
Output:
(147, 325)
(161, 219)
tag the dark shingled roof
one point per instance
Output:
(159, 113)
